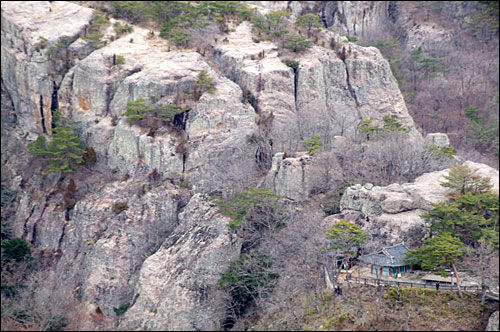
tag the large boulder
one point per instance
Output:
(438, 139)
(290, 176)
(393, 212)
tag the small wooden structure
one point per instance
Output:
(388, 261)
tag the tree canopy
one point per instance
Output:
(345, 235)
(64, 151)
(463, 179)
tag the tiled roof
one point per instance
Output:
(388, 256)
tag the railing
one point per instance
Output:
(375, 281)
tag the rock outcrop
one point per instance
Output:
(290, 176)
(437, 139)
(325, 95)
(392, 213)
(177, 287)
(141, 227)
(493, 322)
(30, 75)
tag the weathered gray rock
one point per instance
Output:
(493, 322)
(326, 95)
(131, 148)
(438, 139)
(215, 152)
(96, 250)
(221, 155)
(341, 93)
(27, 72)
(177, 288)
(268, 79)
(290, 177)
(394, 211)
(358, 18)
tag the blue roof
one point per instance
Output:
(388, 256)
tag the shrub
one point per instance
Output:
(122, 29)
(15, 249)
(89, 156)
(8, 195)
(98, 21)
(168, 112)
(94, 40)
(313, 144)
(296, 43)
(248, 277)
(258, 207)
(309, 21)
(292, 64)
(120, 60)
(42, 43)
(178, 37)
(119, 207)
(121, 309)
(137, 110)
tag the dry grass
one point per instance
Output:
(416, 310)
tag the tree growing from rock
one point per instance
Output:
(64, 151)
(463, 179)
(313, 144)
(310, 22)
(296, 43)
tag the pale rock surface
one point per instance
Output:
(131, 148)
(268, 79)
(358, 18)
(177, 287)
(393, 212)
(220, 153)
(290, 176)
(334, 96)
(27, 73)
(217, 125)
(326, 96)
(438, 139)
(98, 251)
(493, 324)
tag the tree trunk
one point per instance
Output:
(458, 279)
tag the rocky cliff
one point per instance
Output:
(143, 229)
(392, 213)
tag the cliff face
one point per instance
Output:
(165, 249)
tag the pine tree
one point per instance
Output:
(64, 151)
(204, 83)
(345, 236)
(296, 43)
(463, 179)
(137, 110)
(309, 21)
(439, 252)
